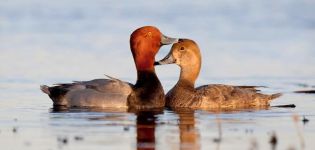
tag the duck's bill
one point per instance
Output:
(165, 40)
(169, 59)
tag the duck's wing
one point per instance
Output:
(250, 87)
(97, 93)
(105, 85)
(217, 95)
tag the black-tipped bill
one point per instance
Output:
(169, 59)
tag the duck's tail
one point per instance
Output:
(45, 89)
(273, 96)
(265, 100)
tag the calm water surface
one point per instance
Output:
(28, 121)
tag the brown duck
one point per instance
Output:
(186, 54)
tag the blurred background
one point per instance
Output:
(60, 41)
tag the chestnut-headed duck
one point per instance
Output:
(147, 93)
(186, 54)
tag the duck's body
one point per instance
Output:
(146, 93)
(94, 93)
(216, 96)
(184, 94)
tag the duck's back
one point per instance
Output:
(94, 93)
(225, 96)
(217, 96)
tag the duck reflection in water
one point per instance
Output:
(189, 136)
(146, 123)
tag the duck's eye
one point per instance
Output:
(182, 48)
(149, 34)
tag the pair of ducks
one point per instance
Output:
(148, 92)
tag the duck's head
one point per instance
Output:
(186, 54)
(145, 42)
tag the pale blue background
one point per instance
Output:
(49, 41)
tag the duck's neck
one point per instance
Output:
(148, 90)
(146, 78)
(189, 74)
(145, 71)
